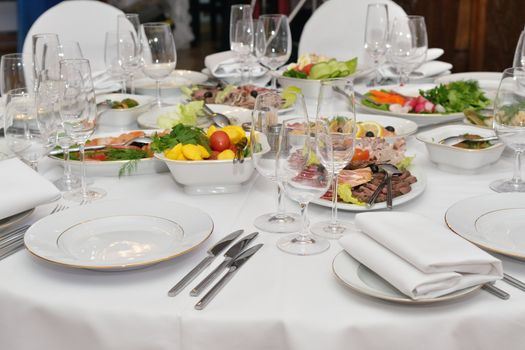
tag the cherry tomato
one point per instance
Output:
(307, 68)
(213, 155)
(360, 154)
(219, 141)
(97, 156)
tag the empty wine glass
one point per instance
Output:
(273, 42)
(46, 50)
(129, 46)
(336, 121)
(519, 53)
(78, 113)
(16, 72)
(407, 45)
(111, 61)
(69, 49)
(24, 136)
(509, 124)
(266, 125)
(159, 55)
(241, 36)
(303, 178)
(376, 36)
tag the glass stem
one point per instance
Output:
(124, 90)
(159, 103)
(303, 236)
(516, 178)
(273, 85)
(67, 164)
(83, 171)
(335, 187)
(131, 85)
(280, 200)
(403, 78)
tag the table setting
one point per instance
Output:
(318, 203)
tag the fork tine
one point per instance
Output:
(55, 209)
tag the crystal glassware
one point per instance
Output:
(273, 43)
(241, 36)
(519, 53)
(159, 55)
(78, 109)
(46, 50)
(336, 121)
(407, 45)
(303, 178)
(509, 124)
(376, 36)
(129, 46)
(266, 126)
(16, 72)
(111, 61)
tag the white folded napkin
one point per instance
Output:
(225, 64)
(22, 188)
(417, 256)
(429, 68)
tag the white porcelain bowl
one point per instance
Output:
(121, 118)
(209, 176)
(309, 87)
(456, 159)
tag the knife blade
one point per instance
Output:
(211, 254)
(229, 257)
(235, 266)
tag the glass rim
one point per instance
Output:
(155, 24)
(19, 91)
(16, 54)
(130, 14)
(240, 6)
(513, 69)
(72, 60)
(273, 15)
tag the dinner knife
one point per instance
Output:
(492, 289)
(229, 257)
(514, 282)
(212, 253)
(235, 266)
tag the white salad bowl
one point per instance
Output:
(450, 158)
(121, 118)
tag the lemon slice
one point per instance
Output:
(364, 127)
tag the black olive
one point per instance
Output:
(370, 134)
(374, 168)
(208, 94)
(390, 128)
(254, 93)
(339, 129)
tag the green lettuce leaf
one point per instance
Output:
(405, 163)
(186, 114)
(345, 193)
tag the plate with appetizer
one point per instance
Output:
(359, 180)
(425, 104)
(172, 84)
(117, 155)
(373, 125)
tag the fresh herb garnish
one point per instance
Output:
(129, 167)
(180, 134)
(457, 96)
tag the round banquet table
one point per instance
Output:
(276, 301)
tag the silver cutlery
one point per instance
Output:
(218, 119)
(390, 170)
(212, 253)
(452, 140)
(229, 257)
(234, 267)
(492, 289)
(514, 282)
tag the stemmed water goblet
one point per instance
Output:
(303, 178)
(159, 55)
(509, 124)
(337, 122)
(376, 36)
(77, 108)
(273, 43)
(407, 45)
(16, 72)
(129, 46)
(266, 126)
(241, 36)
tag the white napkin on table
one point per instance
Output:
(417, 256)
(21, 188)
(225, 64)
(429, 68)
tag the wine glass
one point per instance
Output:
(266, 126)
(303, 178)
(77, 108)
(337, 123)
(407, 45)
(241, 35)
(128, 46)
(25, 137)
(273, 43)
(16, 72)
(69, 49)
(509, 124)
(159, 55)
(46, 50)
(111, 61)
(519, 54)
(376, 35)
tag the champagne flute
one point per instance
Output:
(273, 43)
(159, 54)
(25, 137)
(337, 121)
(303, 178)
(266, 126)
(111, 61)
(241, 35)
(408, 45)
(46, 50)
(78, 114)
(509, 124)
(376, 36)
(128, 46)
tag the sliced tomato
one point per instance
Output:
(97, 156)
(306, 69)
(360, 155)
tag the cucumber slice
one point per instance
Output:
(319, 71)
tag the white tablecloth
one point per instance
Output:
(277, 301)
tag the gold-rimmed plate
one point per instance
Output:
(118, 234)
(494, 222)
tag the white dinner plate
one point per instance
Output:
(112, 168)
(358, 277)
(403, 127)
(172, 84)
(14, 219)
(494, 222)
(118, 234)
(417, 188)
(420, 119)
(238, 115)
